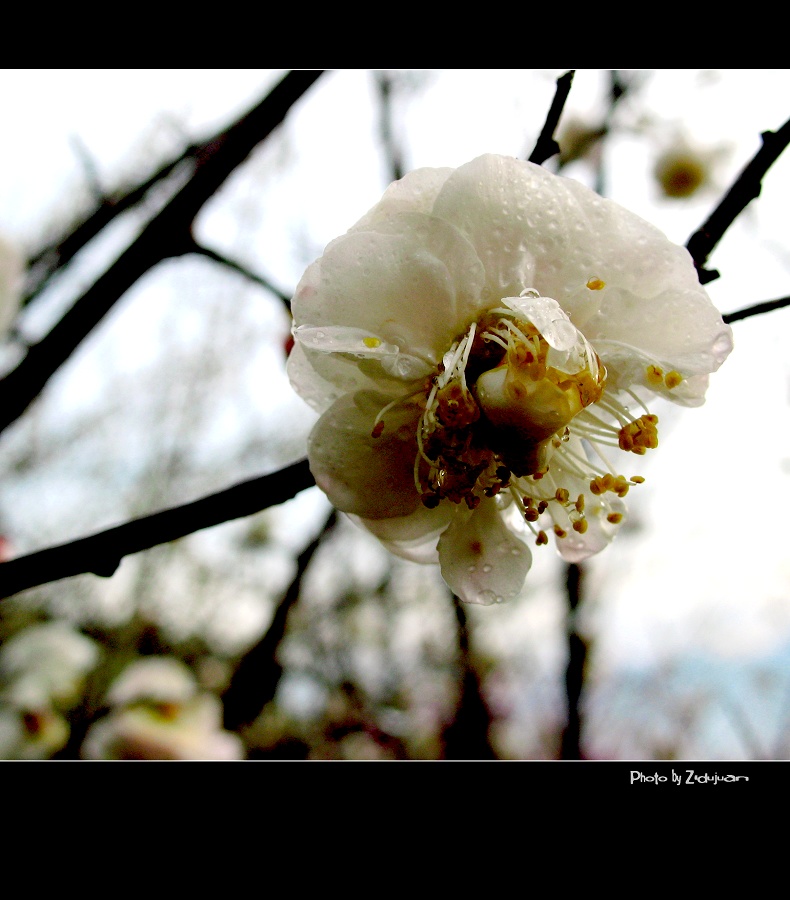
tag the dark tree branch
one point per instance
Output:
(255, 680)
(466, 737)
(167, 235)
(101, 553)
(546, 146)
(746, 188)
(756, 310)
(574, 673)
(242, 270)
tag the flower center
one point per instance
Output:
(498, 416)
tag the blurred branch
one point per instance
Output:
(747, 187)
(392, 152)
(466, 737)
(167, 235)
(546, 146)
(255, 680)
(242, 270)
(101, 553)
(574, 673)
(756, 310)
(44, 264)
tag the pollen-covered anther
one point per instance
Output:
(378, 429)
(595, 284)
(580, 525)
(640, 435)
(560, 532)
(562, 495)
(542, 538)
(615, 518)
(654, 375)
(603, 483)
(673, 379)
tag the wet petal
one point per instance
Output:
(415, 192)
(482, 560)
(414, 288)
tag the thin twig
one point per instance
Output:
(102, 553)
(756, 310)
(546, 146)
(242, 270)
(392, 152)
(746, 188)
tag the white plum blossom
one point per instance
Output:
(482, 346)
(159, 712)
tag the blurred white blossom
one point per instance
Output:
(684, 168)
(42, 672)
(476, 344)
(160, 713)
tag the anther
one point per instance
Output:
(672, 379)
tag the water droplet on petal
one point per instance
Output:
(486, 598)
(486, 568)
(472, 569)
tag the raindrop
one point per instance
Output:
(472, 569)
(486, 568)
(487, 598)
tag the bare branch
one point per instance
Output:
(546, 146)
(168, 234)
(102, 553)
(756, 310)
(746, 188)
(255, 680)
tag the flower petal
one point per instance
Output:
(415, 288)
(415, 192)
(371, 477)
(412, 537)
(482, 560)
